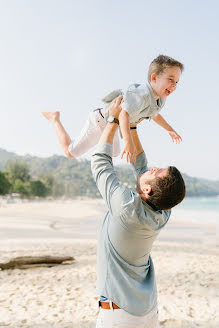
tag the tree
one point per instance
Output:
(22, 188)
(4, 184)
(18, 170)
(48, 180)
(58, 189)
(37, 188)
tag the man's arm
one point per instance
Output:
(114, 194)
(63, 137)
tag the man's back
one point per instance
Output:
(125, 268)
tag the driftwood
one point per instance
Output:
(25, 262)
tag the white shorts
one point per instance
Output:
(90, 136)
(119, 318)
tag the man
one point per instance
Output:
(126, 279)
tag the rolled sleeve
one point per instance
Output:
(133, 103)
(103, 148)
(141, 164)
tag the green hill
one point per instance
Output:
(6, 156)
(73, 177)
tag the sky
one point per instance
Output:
(67, 54)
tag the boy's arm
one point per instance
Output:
(140, 166)
(129, 147)
(163, 123)
(63, 137)
(137, 143)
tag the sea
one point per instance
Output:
(198, 209)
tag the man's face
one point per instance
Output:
(154, 173)
(148, 177)
(165, 83)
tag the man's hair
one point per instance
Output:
(167, 191)
(161, 63)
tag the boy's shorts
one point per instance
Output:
(91, 134)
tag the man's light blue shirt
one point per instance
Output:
(125, 271)
(138, 100)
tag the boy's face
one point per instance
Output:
(165, 83)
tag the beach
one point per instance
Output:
(185, 257)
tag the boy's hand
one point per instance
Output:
(130, 151)
(175, 136)
(51, 116)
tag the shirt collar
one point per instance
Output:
(161, 101)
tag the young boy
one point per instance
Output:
(140, 101)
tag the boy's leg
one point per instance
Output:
(89, 135)
(63, 137)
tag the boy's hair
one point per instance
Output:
(162, 62)
(166, 192)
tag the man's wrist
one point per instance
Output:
(109, 132)
(113, 119)
(112, 125)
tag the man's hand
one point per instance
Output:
(51, 116)
(110, 129)
(115, 107)
(175, 136)
(130, 151)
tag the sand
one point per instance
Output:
(185, 258)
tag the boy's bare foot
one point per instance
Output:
(51, 116)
